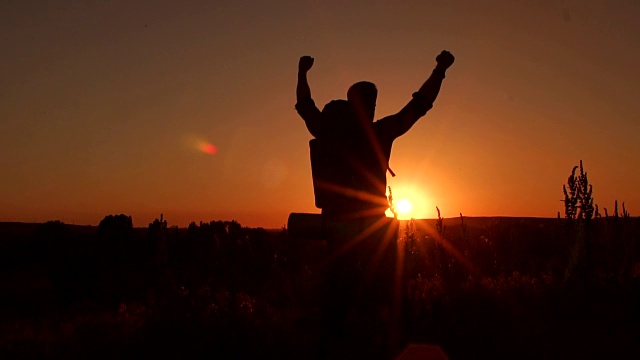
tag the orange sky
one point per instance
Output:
(105, 106)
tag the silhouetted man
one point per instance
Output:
(350, 153)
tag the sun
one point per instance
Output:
(403, 206)
(410, 202)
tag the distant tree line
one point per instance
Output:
(63, 265)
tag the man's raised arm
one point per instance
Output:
(422, 99)
(430, 89)
(305, 105)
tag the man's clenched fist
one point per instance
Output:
(306, 62)
(445, 59)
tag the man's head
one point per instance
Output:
(362, 96)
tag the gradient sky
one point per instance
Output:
(106, 106)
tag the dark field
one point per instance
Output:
(501, 288)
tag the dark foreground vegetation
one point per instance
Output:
(509, 288)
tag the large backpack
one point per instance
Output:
(338, 156)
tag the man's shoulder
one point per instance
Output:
(384, 127)
(386, 122)
(338, 105)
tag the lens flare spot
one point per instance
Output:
(208, 148)
(403, 206)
